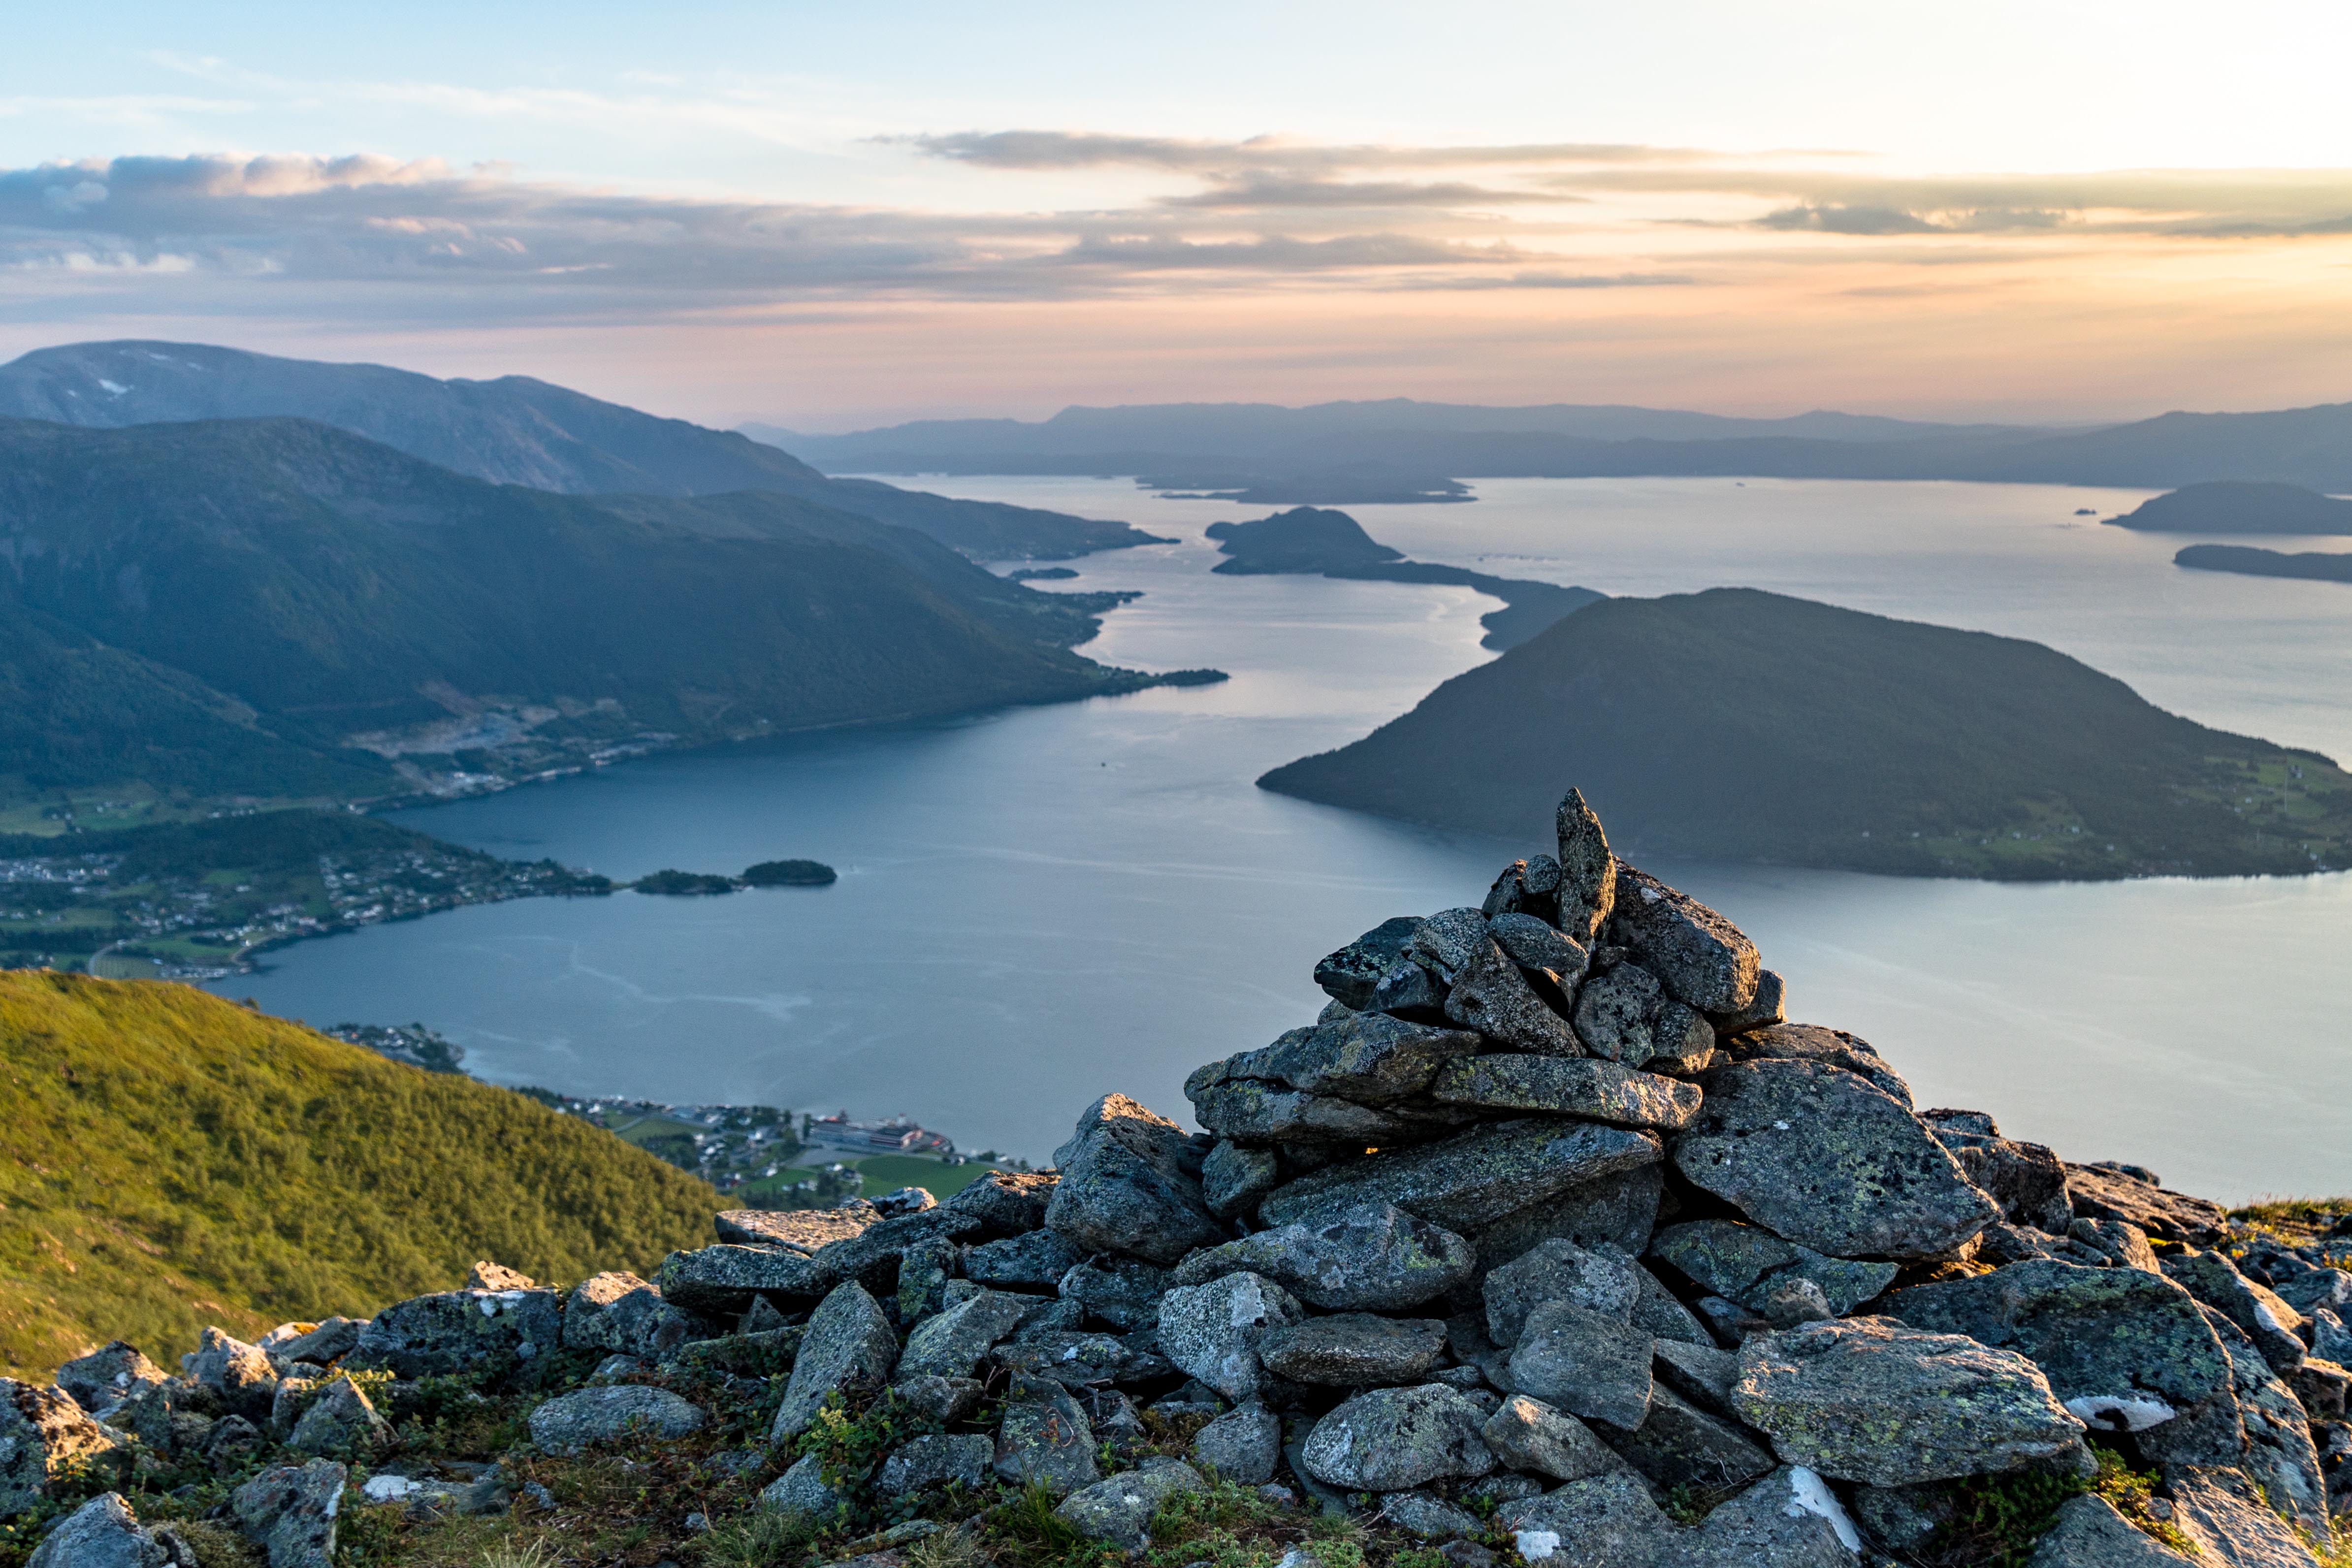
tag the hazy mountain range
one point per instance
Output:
(512, 430)
(1339, 451)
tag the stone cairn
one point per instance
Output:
(1549, 1223)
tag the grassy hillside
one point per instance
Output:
(173, 1160)
(1736, 724)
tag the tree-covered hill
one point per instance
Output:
(1744, 725)
(173, 1160)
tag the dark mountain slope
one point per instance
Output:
(513, 431)
(334, 586)
(2236, 506)
(1738, 725)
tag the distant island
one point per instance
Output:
(2240, 507)
(1743, 726)
(1316, 541)
(1040, 574)
(2324, 566)
(767, 874)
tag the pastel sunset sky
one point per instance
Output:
(827, 217)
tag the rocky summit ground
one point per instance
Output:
(1550, 1241)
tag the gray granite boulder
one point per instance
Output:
(1702, 959)
(1430, 1518)
(2227, 1518)
(1234, 1176)
(1589, 1363)
(1516, 1083)
(724, 1280)
(1119, 1510)
(1348, 975)
(1035, 1260)
(1353, 1349)
(2123, 1350)
(2087, 1532)
(1745, 1263)
(802, 1489)
(1830, 1047)
(1679, 1445)
(937, 1459)
(1448, 941)
(1373, 1256)
(1242, 1446)
(340, 1421)
(460, 1331)
(2280, 1455)
(1604, 1521)
(588, 1417)
(1255, 1110)
(1045, 1438)
(1007, 1202)
(1131, 1184)
(1587, 872)
(107, 1375)
(290, 1513)
(2027, 1180)
(1624, 1015)
(954, 1342)
(1211, 1331)
(1601, 1279)
(1825, 1159)
(2109, 1191)
(1472, 1178)
(1704, 1373)
(1390, 1440)
(1788, 1519)
(1531, 1435)
(623, 1314)
(2257, 1310)
(1368, 1058)
(105, 1533)
(239, 1373)
(1117, 1290)
(848, 1342)
(44, 1437)
(1491, 996)
(1619, 1210)
(1873, 1400)
(1536, 945)
(801, 1231)
(1767, 1007)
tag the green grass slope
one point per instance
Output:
(172, 1159)
(1738, 725)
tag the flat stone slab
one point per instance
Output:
(1568, 1086)
(1472, 1178)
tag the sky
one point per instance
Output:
(829, 216)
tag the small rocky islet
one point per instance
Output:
(1550, 1239)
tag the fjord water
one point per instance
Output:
(1040, 905)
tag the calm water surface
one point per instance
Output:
(1040, 905)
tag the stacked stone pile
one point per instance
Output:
(1550, 1225)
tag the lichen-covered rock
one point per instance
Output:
(1353, 1349)
(1046, 1438)
(1702, 1372)
(1624, 1015)
(1531, 1435)
(954, 1342)
(2027, 1180)
(1536, 945)
(1746, 1264)
(2108, 1191)
(1258, 1110)
(1703, 960)
(1620, 1210)
(1234, 1176)
(1587, 872)
(1120, 1509)
(1242, 1446)
(1131, 1184)
(1767, 1007)
(1679, 1445)
(1368, 1058)
(2279, 1456)
(105, 1533)
(1603, 1521)
(1589, 1363)
(1035, 1261)
(1081, 1360)
(588, 1417)
(239, 1373)
(926, 1269)
(1472, 1178)
(1490, 995)
(1007, 1202)
(1788, 1519)
(2123, 1350)
(460, 1331)
(1430, 1518)
(1120, 1291)
(2257, 1310)
(340, 1420)
(802, 1489)
(1514, 1082)
(1372, 1257)
(1348, 975)
(2087, 1532)
(1873, 1400)
(1389, 1440)
(848, 1342)
(1211, 1331)
(1826, 1160)
(107, 1375)
(1601, 1278)
(43, 1435)
(623, 1314)
(1830, 1047)
(291, 1512)
(937, 1459)
(802, 1230)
